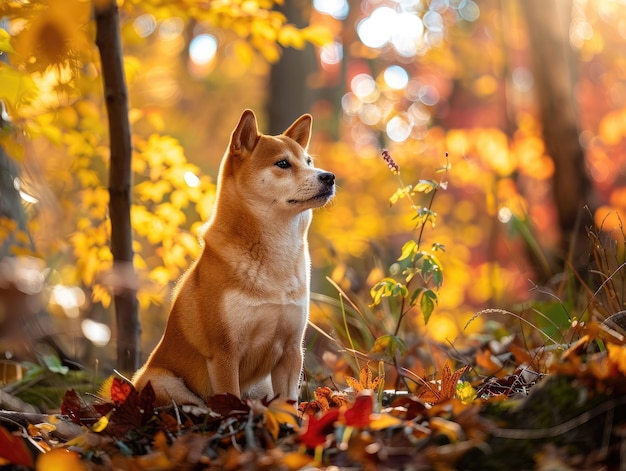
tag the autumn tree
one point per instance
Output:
(55, 95)
(554, 68)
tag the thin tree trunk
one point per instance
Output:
(555, 79)
(109, 44)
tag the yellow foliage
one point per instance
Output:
(290, 36)
(318, 34)
(56, 29)
(17, 87)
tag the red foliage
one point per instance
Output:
(316, 429)
(13, 449)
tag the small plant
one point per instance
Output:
(418, 274)
(413, 281)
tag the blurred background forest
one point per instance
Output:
(527, 98)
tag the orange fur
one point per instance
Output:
(238, 317)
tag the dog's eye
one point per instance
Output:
(283, 164)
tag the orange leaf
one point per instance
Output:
(521, 355)
(487, 361)
(120, 390)
(449, 380)
(445, 388)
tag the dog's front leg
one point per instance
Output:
(224, 375)
(286, 374)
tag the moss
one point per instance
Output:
(542, 418)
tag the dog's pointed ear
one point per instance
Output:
(300, 130)
(245, 135)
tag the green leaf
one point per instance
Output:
(415, 295)
(427, 304)
(438, 278)
(54, 364)
(431, 266)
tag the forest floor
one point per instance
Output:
(509, 408)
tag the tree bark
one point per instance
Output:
(555, 74)
(108, 40)
(289, 94)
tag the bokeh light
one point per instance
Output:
(191, 179)
(375, 30)
(145, 25)
(97, 332)
(202, 49)
(338, 9)
(331, 53)
(396, 77)
(171, 28)
(365, 88)
(399, 128)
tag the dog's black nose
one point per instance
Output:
(327, 177)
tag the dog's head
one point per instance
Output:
(275, 172)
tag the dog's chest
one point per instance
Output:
(258, 322)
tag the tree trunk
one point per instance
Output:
(109, 44)
(548, 24)
(289, 93)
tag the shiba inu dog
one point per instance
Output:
(238, 317)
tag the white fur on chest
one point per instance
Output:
(254, 320)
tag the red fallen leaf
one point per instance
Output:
(71, 406)
(77, 410)
(315, 430)
(414, 407)
(120, 390)
(103, 408)
(359, 414)
(134, 412)
(14, 450)
(228, 405)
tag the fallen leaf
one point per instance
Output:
(359, 414)
(227, 405)
(316, 430)
(120, 390)
(13, 449)
(384, 421)
(280, 413)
